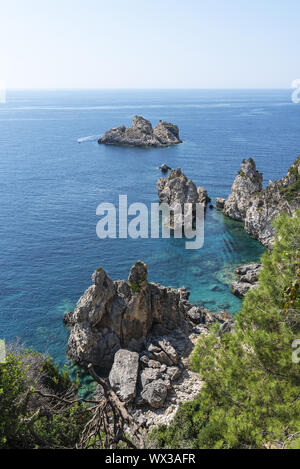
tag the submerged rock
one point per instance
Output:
(258, 208)
(142, 133)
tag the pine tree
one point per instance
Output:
(251, 397)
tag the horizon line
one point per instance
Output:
(150, 89)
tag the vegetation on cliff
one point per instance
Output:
(251, 397)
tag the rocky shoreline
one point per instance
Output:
(142, 134)
(256, 207)
(142, 334)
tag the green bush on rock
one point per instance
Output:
(251, 397)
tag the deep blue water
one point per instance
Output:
(51, 186)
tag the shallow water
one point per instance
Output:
(51, 186)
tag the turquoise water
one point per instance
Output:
(51, 186)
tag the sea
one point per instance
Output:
(54, 175)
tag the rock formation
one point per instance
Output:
(118, 315)
(258, 208)
(248, 279)
(142, 333)
(142, 134)
(248, 182)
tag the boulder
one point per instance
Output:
(142, 134)
(155, 393)
(124, 374)
(248, 279)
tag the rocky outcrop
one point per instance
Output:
(120, 315)
(142, 333)
(142, 134)
(248, 182)
(248, 279)
(220, 203)
(124, 374)
(258, 208)
(177, 189)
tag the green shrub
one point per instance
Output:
(252, 387)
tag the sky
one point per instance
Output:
(149, 43)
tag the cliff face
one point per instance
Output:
(247, 182)
(258, 208)
(177, 188)
(114, 315)
(141, 133)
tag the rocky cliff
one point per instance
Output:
(141, 133)
(178, 189)
(114, 315)
(258, 207)
(142, 333)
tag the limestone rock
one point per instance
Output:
(164, 168)
(220, 203)
(258, 208)
(142, 133)
(118, 315)
(124, 374)
(155, 393)
(247, 182)
(248, 279)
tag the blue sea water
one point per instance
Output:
(51, 186)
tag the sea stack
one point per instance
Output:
(258, 207)
(142, 134)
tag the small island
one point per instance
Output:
(142, 134)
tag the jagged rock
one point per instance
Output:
(220, 203)
(155, 364)
(177, 190)
(259, 208)
(155, 393)
(226, 328)
(196, 315)
(174, 373)
(124, 374)
(164, 168)
(142, 134)
(247, 182)
(240, 289)
(168, 348)
(118, 315)
(248, 279)
(150, 374)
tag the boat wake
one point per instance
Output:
(90, 138)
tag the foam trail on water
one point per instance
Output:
(90, 138)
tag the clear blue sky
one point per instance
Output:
(149, 43)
